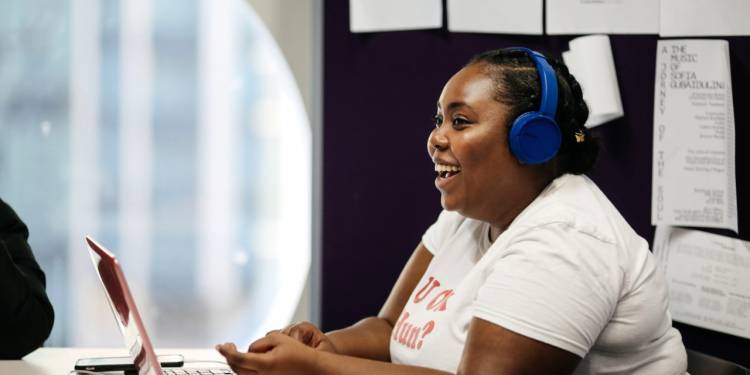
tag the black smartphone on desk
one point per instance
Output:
(123, 363)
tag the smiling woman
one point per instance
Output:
(528, 270)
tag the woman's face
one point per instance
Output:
(477, 174)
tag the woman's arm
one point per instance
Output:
(370, 337)
(279, 354)
(490, 349)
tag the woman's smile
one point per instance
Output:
(445, 174)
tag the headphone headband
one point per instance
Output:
(547, 80)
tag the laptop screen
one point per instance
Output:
(123, 307)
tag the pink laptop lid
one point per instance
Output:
(124, 308)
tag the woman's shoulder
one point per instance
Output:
(576, 202)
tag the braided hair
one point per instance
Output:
(517, 85)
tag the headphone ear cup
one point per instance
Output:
(534, 138)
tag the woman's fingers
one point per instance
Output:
(288, 328)
(308, 334)
(241, 363)
(225, 348)
(303, 334)
(274, 354)
(264, 344)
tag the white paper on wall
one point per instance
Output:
(693, 160)
(590, 61)
(705, 17)
(495, 16)
(708, 278)
(602, 16)
(392, 15)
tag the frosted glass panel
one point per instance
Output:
(173, 133)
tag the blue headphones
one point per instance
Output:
(534, 136)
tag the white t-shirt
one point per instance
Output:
(569, 271)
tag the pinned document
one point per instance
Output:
(391, 15)
(708, 277)
(704, 17)
(590, 61)
(693, 160)
(495, 16)
(602, 16)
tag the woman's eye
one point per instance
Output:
(460, 122)
(437, 120)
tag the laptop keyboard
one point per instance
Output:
(197, 371)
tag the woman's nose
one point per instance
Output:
(437, 140)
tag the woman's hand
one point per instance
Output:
(275, 354)
(308, 334)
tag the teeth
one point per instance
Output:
(446, 168)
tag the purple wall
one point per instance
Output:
(378, 195)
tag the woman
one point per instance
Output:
(529, 269)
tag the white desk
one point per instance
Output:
(60, 361)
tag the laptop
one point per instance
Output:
(128, 319)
